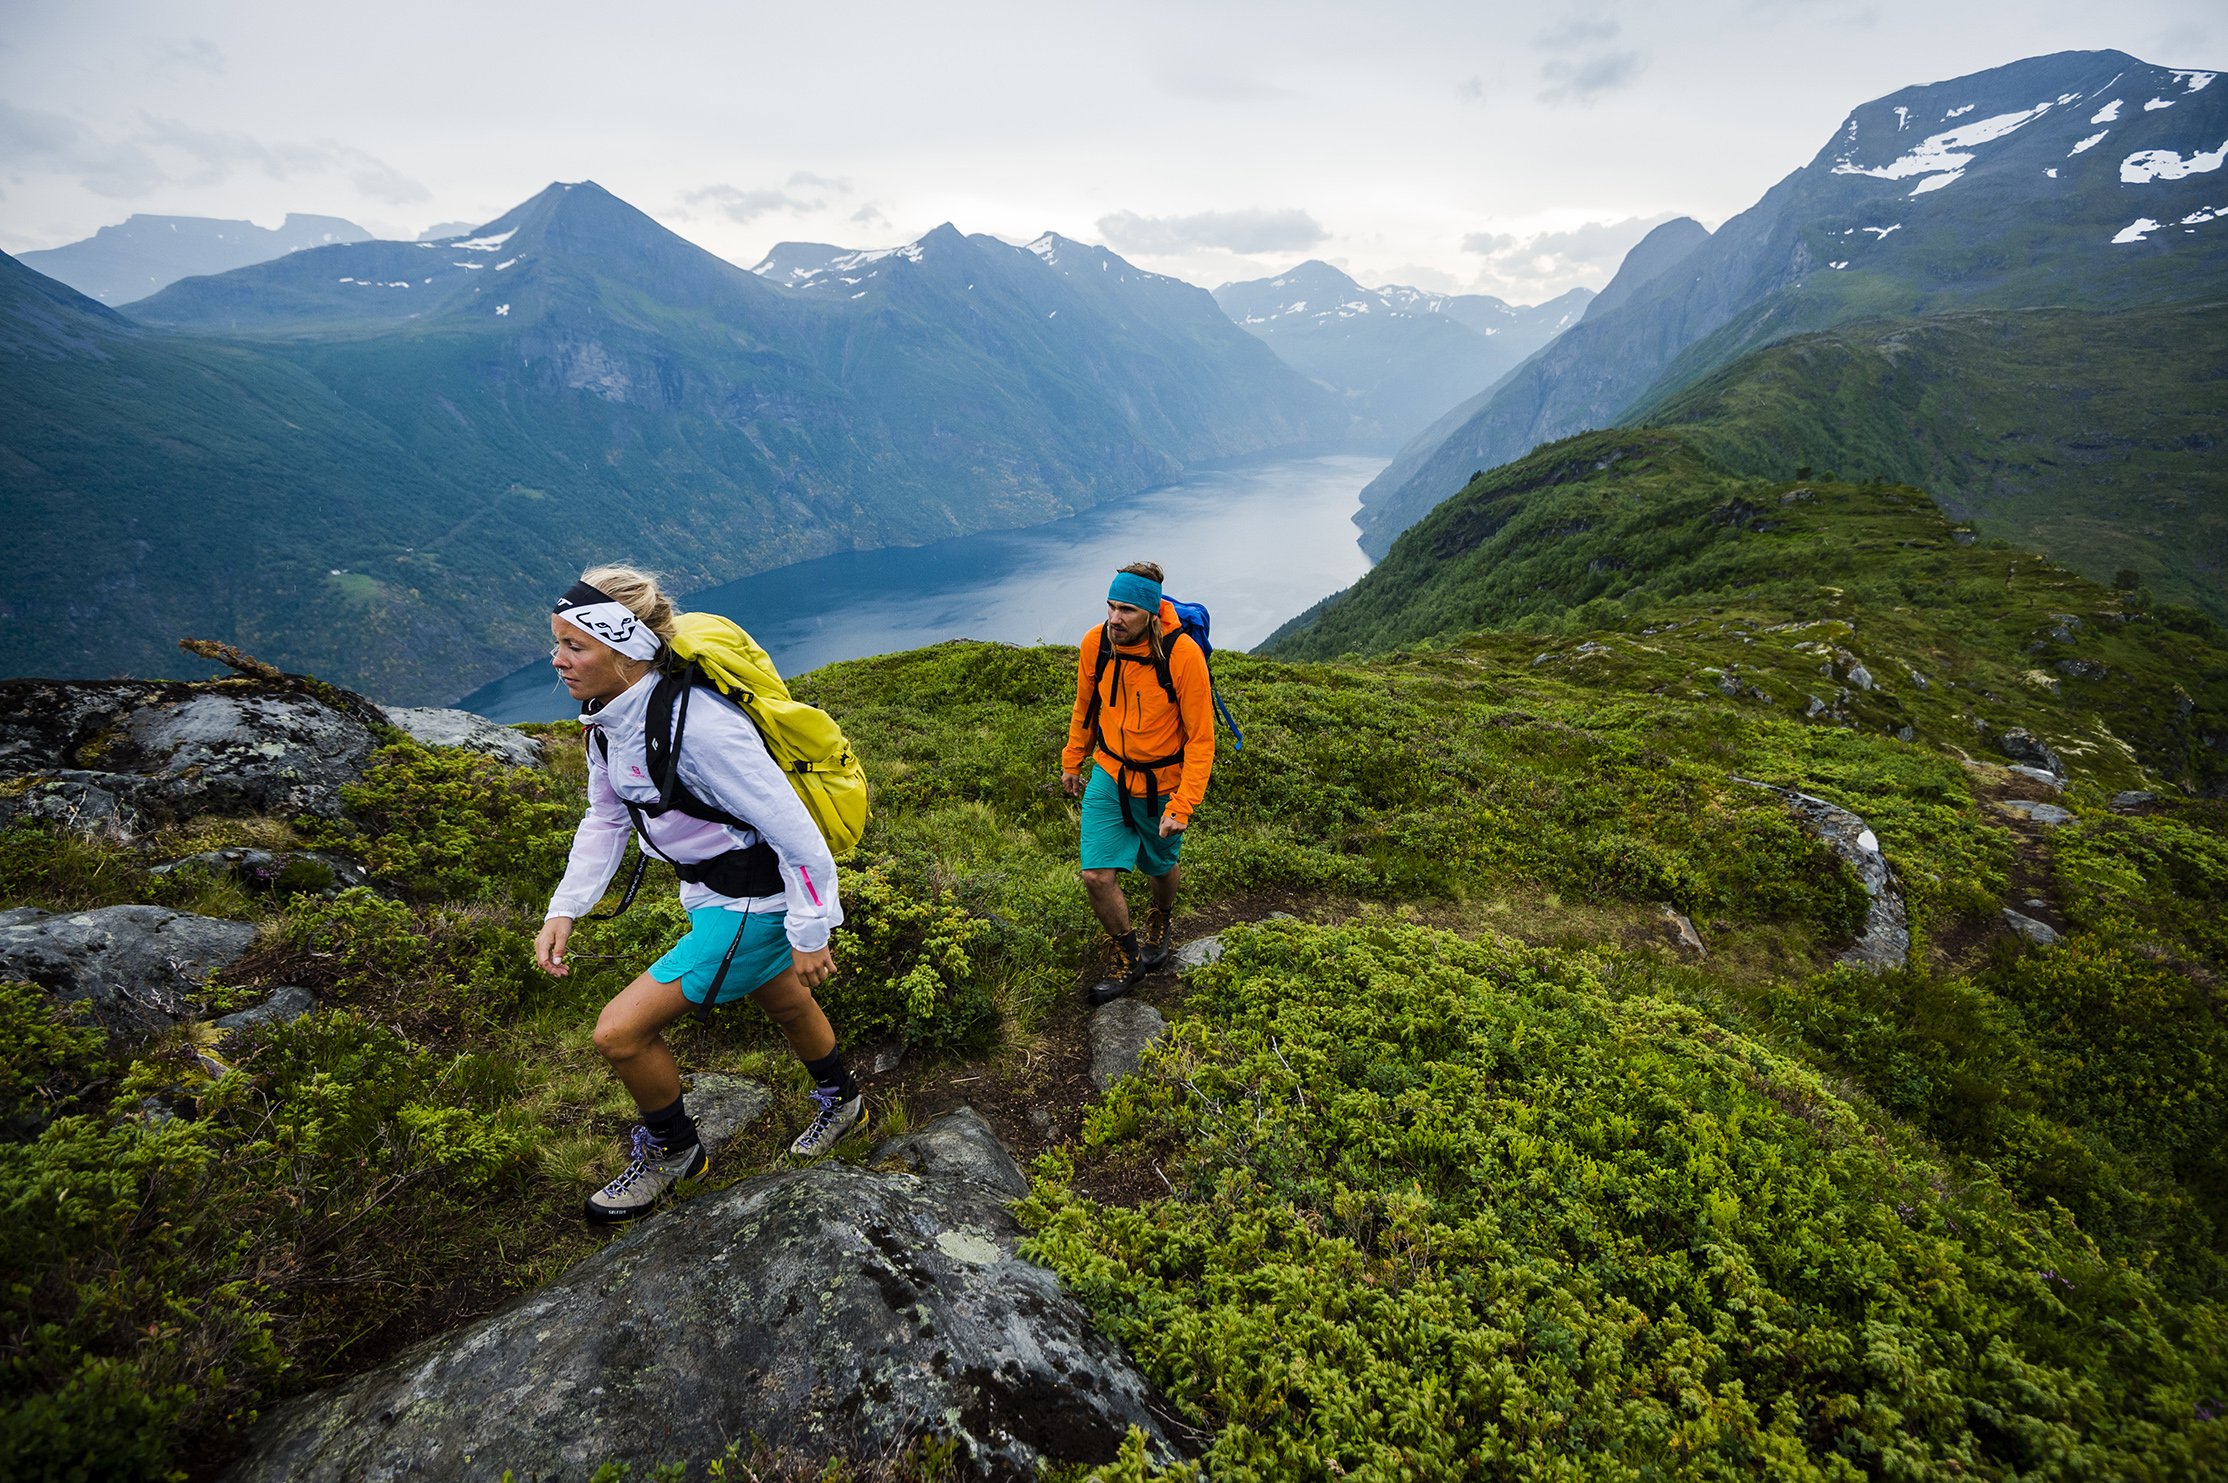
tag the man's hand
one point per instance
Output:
(549, 946)
(813, 969)
(1169, 825)
(1071, 783)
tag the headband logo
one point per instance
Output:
(601, 625)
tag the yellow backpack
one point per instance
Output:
(805, 742)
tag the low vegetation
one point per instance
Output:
(1468, 1169)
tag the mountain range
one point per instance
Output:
(371, 458)
(1399, 357)
(2083, 179)
(143, 254)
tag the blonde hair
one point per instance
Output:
(638, 591)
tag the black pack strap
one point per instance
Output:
(742, 874)
(711, 995)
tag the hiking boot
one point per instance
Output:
(1152, 954)
(1129, 973)
(651, 1171)
(837, 1120)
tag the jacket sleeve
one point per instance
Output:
(724, 762)
(1078, 749)
(1195, 706)
(598, 845)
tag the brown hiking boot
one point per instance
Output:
(1152, 953)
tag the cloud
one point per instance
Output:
(738, 205)
(164, 151)
(1253, 230)
(218, 154)
(870, 215)
(1574, 32)
(199, 54)
(1587, 78)
(806, 180)
(1471, 89)
(1539, 265)
(1207, 85)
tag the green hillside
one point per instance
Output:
(1465, 1167)
(2093, 438)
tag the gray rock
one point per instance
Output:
(1816, 707)
(1689, 939)
(2037, 775)
(879, 1060)
(2082, 669)
(2133, 800)
(1120, 1033)
(164, 751)
(2022, 745)
(435, 727)
(2040, 813)
(16, 916)
(1199, 952)
(284, 1006)
(134, 967)
(2041, 934)
(959, 1145)
(315, 871)
(829, 1309)
(722, 1105)
(1885, 940)
(81, 806)
(1860, 677)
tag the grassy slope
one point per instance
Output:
(2092, 438)
(1469, 1168)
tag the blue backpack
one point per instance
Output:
(1195, 621)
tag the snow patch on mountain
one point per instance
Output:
(479, 244)
(2136, 230)
(2195, 82)
(2164, 164)
(2109, 113)
(1948, 151)
(2089, 143)
(2157, 103)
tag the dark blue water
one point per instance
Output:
(1257, 544)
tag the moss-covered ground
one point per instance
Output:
(1466, 1168)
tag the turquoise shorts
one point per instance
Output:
(761, 957)
(1110, 842)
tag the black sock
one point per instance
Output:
(671, 1126)
(829, 1074)
(1127, 942)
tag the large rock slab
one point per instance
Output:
(831, 1310)
(149, 751)
(958, 1145)
(1885, 940)
(135, 967)
(436, 727)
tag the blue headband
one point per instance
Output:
(1138, 592)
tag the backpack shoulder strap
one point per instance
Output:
(664, 722)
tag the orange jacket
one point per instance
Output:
(1139, 723)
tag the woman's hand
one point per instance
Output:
(549, 946)
(813, 969)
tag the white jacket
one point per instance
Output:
(724, 762)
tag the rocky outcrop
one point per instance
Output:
(1120, 1035)
(434, 727)
(275, 872)
(136, 968)
(118, 755)
(832, 1310)
(2024, 746)
(1885, 941)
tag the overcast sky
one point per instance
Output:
(1510, 149)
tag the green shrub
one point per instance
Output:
(1446, 1209)
(443, 821)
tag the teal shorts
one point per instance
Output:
(1109, 840)
(761, 957)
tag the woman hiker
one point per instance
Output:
(762, 897)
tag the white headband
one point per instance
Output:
(597, 615)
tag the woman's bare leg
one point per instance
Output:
(790, 1005)
(630, 1035)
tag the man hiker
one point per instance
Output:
(1144, 712)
